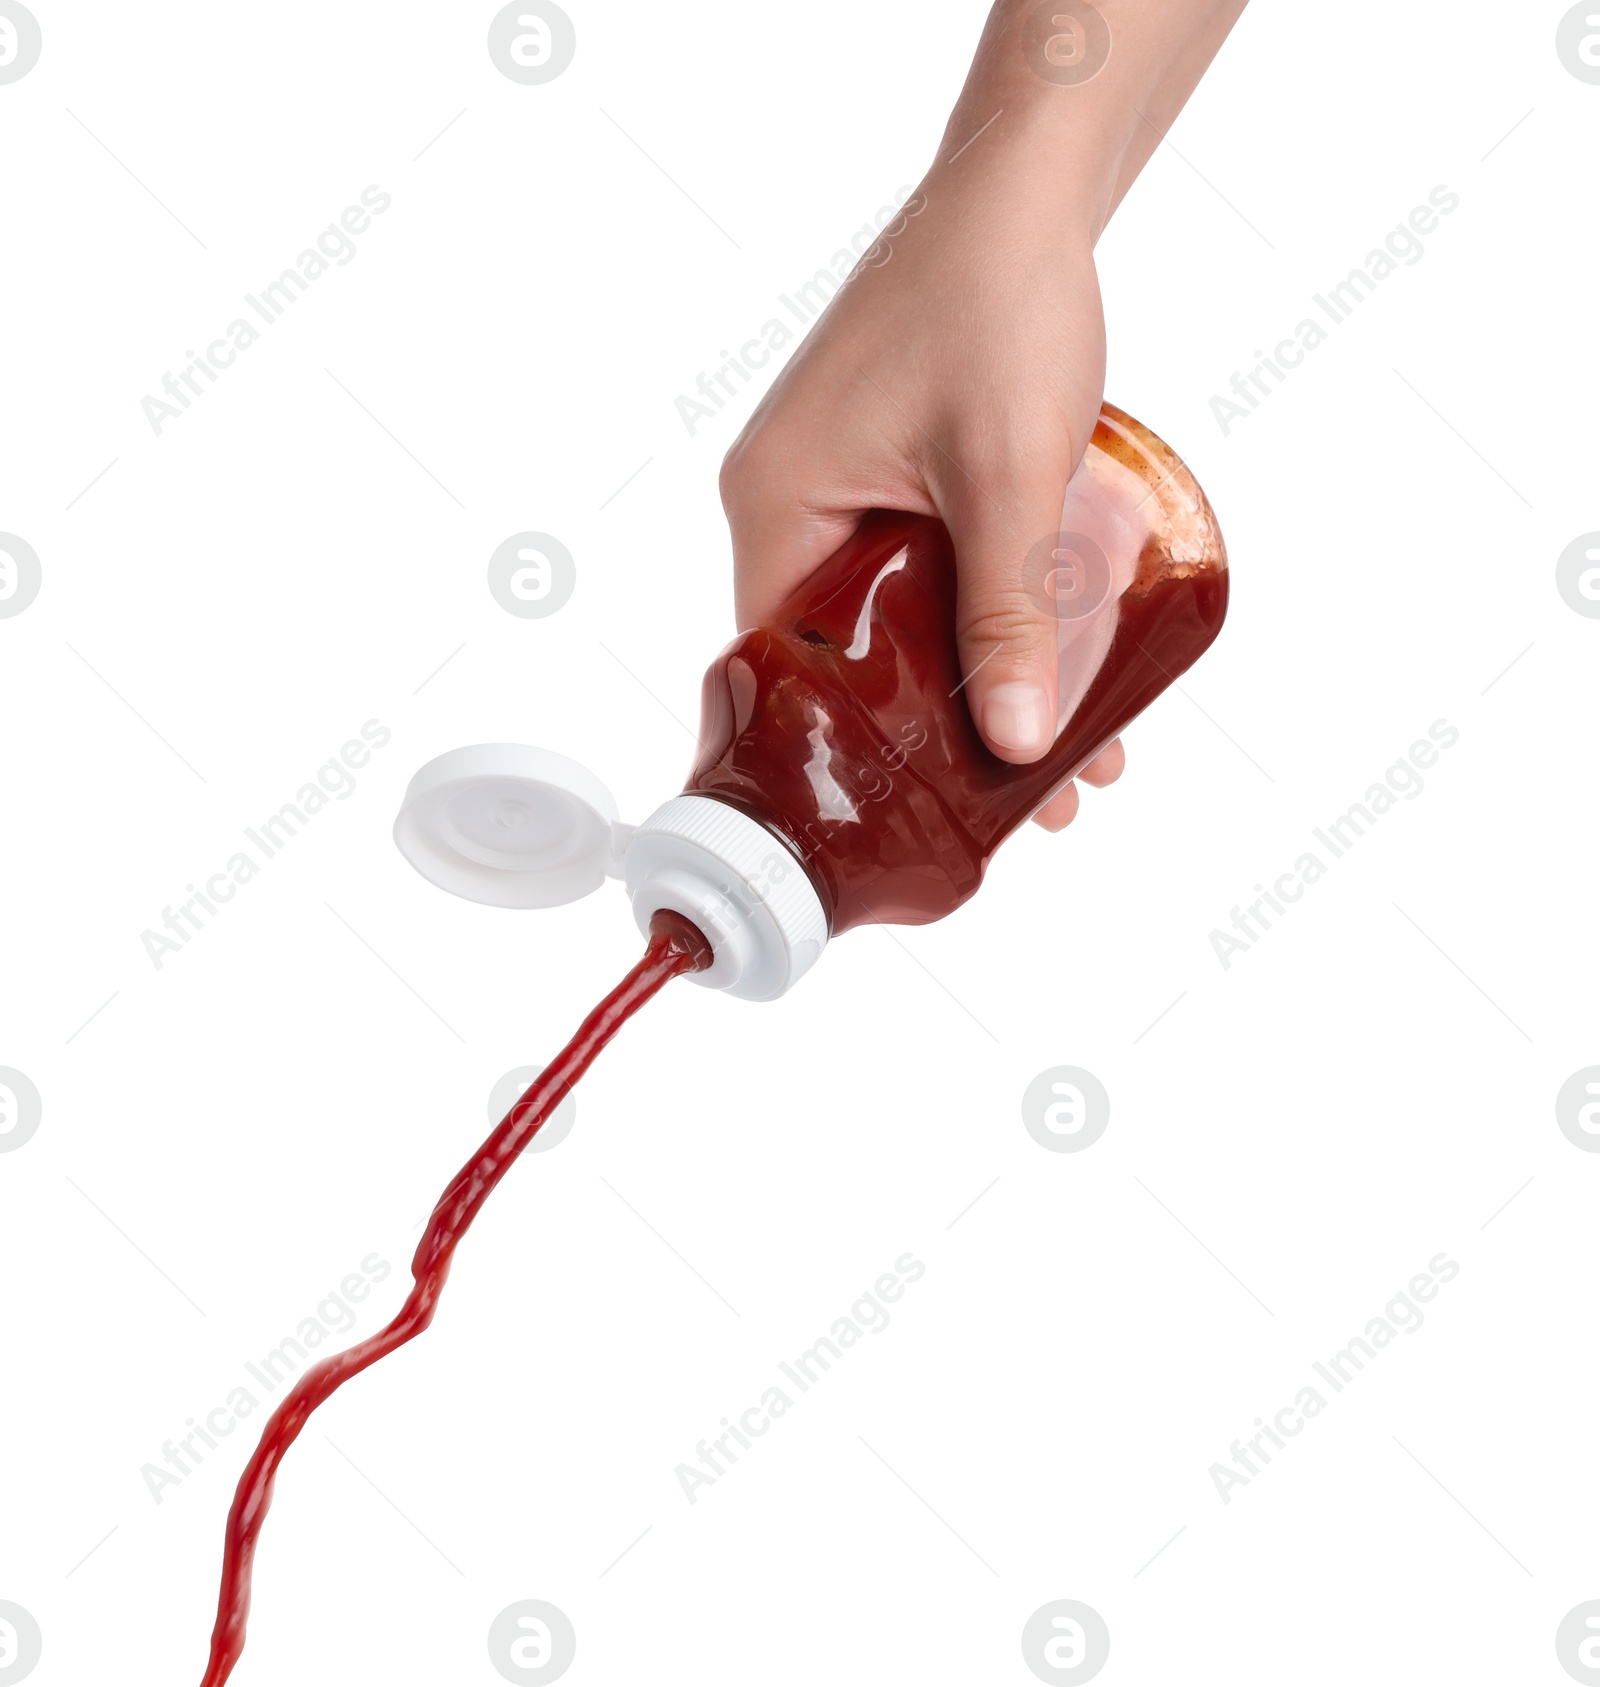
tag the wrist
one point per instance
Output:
(1055, 178)
(1073, 96)
(1064, 142)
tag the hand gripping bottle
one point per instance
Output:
(840, 778)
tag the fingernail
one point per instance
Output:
(1016, 716)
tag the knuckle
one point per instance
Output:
(1008, 619)
(752, 468)
(732, 476)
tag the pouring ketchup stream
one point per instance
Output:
(675, 947)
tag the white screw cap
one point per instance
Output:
(739, 883)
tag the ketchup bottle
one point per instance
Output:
(840, 778)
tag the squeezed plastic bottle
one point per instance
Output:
(840, 778)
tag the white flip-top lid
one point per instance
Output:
(510, 825)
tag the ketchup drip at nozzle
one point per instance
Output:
(675, 947)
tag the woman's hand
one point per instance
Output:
(959, 371)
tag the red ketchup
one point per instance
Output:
(839, 780)
(674, 949)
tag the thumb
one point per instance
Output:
(1006, 542)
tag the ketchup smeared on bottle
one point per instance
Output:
(675, 947)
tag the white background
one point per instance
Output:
(1363, 1089)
